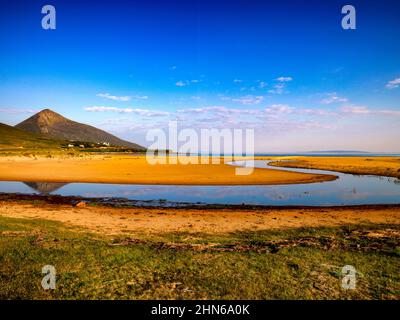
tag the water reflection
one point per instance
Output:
(346, 190)
(45, 187)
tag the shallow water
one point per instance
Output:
(346, 190)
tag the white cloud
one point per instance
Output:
(19, 111)
(333, 98)
(141, 97)
(246, 100)
(180, 84)
(279, 109)
(389, 112)
(237, 81)
(278, 89)
(221, 110)
(225, 98)
(284, 109)
(316, 112)
(362, 110)
(115, 98)
(138, 111)
(272, 111)
(249, 99)
(262, 84)
(193, 110)
(355, 109)
(395, 83)
(284, 79)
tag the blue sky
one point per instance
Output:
(285, 68)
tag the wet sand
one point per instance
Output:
(110, 220)
(382, 166)
(136, 170)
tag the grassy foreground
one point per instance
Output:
(297, 263)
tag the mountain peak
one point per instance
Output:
(48, 113)
(53, 125)
(40, 122)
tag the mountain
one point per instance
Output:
(11, 137)
(53, 125)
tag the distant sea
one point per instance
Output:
(329, 154)
(315, 154)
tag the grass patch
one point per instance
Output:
(90, 266)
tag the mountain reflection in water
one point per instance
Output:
(45, 187)
(348, 189)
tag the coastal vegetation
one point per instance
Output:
(292, 263)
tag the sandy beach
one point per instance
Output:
(108, 220)
(136, 170)
(105, 251)
(382, 166)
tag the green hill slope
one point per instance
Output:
(53, 125)
(11, 137)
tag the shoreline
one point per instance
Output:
(138, 221)
(108, 202)
(311, 180)
(136, 170)
(348, 165)
(170, 252)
